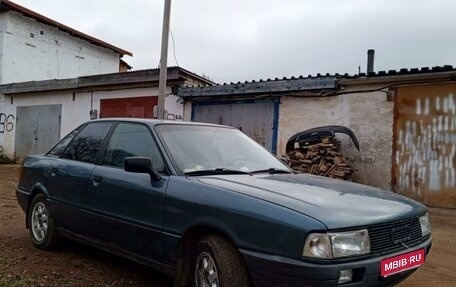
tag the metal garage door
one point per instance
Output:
(425, 131)
(139, 107)
(37, 129)
(257, 119)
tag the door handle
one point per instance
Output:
(96, 179)
(54, 171)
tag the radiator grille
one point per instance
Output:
(395, 236)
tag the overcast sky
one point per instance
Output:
(239, 40)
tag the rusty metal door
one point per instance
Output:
(257, 119)
(425, 145)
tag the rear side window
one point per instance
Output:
(85, 146)
(58, 150)
(132, 140)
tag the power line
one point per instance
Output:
(174, 46)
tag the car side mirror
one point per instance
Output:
(141, 165)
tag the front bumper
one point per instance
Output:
(270, 270)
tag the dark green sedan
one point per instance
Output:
(211, 207)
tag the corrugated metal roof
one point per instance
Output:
(125, 78)
(402, 76)
(268, 86)
(208, 88)
(8, 5)
(296, 84)
(404, 71)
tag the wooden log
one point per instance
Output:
(316, 159)
(298, 155)
(330, 169)
(322, 158)
(312, 153)
(338, 173)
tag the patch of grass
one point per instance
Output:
(15, 281)
(4, 159)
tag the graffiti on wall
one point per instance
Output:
(6, 123)
(426, 151)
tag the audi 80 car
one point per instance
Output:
(211, 207)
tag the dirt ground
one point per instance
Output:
(74, 264)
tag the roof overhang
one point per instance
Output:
(436, 74)
(176, 75)
(277, 86)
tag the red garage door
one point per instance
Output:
(141, 107)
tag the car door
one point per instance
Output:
(74, 161)
(125, 209)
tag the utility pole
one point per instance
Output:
(163, 61)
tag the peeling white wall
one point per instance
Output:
(32, 51)
(298, 114)
(174, 107)
(74, 112)
(188, 111)
(368, 114)
(3, 27)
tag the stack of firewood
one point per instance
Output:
(322, 159)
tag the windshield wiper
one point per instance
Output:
(215, 171)
(271, 171)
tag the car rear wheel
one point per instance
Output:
(42, 229)
(217, 263)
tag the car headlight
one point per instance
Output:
(337, 244)
(425, 225)
(318, 245)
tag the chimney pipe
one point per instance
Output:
(370, 61)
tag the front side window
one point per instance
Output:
(85, 146)
(132, 140)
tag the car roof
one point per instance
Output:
(154, 122)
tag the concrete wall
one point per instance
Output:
(174, 106)
(3, 28)
(32, 51)
(369, 115)
(187, 111)
(74, 112)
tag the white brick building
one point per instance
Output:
(34, 47)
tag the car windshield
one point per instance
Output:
(200, 150)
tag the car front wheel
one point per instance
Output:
(217, 263)
(42, 229)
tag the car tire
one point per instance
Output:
(42, 228)
(216, 262)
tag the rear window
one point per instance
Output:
(58, 149)
(86, 145)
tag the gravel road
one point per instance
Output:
(73, 264)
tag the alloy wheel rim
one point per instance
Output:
(40, 221)
(206, 274)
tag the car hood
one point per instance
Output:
(335, 203)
